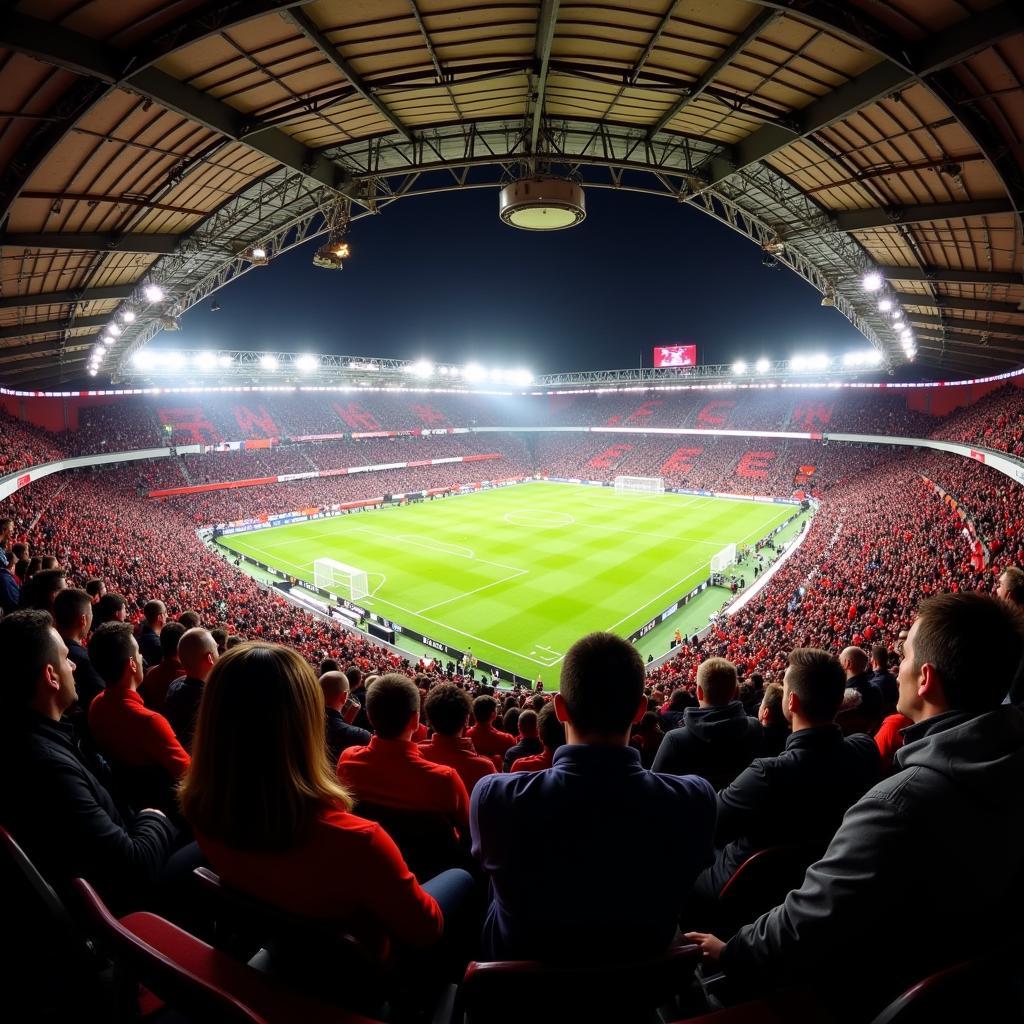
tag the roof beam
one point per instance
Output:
(967, 341)
(543, 42)
(161, 245)
(12, 353)
(942, 275)
(53, 360)
(910, 301)
(62, 47)
(759, 23)
(111, 292)
(318, 38)
(952, 46)
(653, 42)
(52, 326)
(892, 216)
(929, 320)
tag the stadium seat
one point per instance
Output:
(293, 947)
(506, 990)
(762, 882)
(795, 1007)
(194, 978)
(427, 841)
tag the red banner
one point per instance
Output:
(675, 355)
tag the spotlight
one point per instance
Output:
(521, 378)
(257, 255)
(153, 293)
(331, 255)
(107, 339)
(422, 368)
(206, 361)
(798, 364)
(142, 359)
(475, 373)
(739, 366)
(884, 305)
(128, 316)
(819, 361)
(113, 329)
(872, 281)
(268, 362)
(762, 365)
(224, 361)
(92, 371)
(174, 360)
(307, 363)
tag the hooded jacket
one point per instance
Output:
(715, 743)
(924, 871)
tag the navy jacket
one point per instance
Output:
(715, 743)
(526, 747)
(796, 798)
(10, 592)
(602, 820)
(181, 707)
(149, 646)
(341, 735)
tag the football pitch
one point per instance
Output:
(518, 573)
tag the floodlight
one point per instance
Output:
(762, 365)
(330, 255)
(113, 329)
(143, 359)
(520, 377)
(422, 368)
(819, 361)
(307, 363)
(739, 366)
(906, 332)
(884, 305)
(798, 363)
(153, 293)
(206, 361)
(852, 359)
(127, 315)
(174, 360)
(92, 372)
(542, 203)
(475, 373)
(224, 361)
(257, 255)
(872, 281)
(455, 371)
(443, 371)
(107, 339)
(874, 357)
(268, 362)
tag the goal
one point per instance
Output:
(339, 578)
(639, 485)
(724, 558)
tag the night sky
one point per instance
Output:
(441, 277)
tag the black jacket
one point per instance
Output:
(149, 646)
(341, 735)
(87, 680)
(526, 747)
(924, 870)
(888, 686)
(181, 706)
(870, 695)
(64, 817)
(796, 798)
(715, 743)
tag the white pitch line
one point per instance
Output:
(459, 597)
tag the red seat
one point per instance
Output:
(506, 990)
(197, 979)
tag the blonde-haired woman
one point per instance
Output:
(271, 817)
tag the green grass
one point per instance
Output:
(519, 573)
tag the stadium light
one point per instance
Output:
(92, 371)
(884, 305)
(422, 368)
(268, 362)
(107, 339)
(206, 361)
(798, 363)
(114, 330)
(224, 361)
(520, 377)
(872, 281)
(455, 371)
(142, 359)
(128, 316)
(307, 363)
(257, 255)
(739, 366)
(762, 365)
(153, 293)
(864, 357)
(475, 373)
(174, 360)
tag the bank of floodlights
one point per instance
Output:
(332, 254)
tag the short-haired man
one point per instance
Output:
(529, 744)
(856, 662)
(155, 617)
(717, 739)
(72, 614)
(190, 619)
(942, 839)
(774, 724)
(158, 679)
(552, 735)
(883, 680)
(51, 796)
(447, 709)
(390, 771)
(41, 588)
(800, 796)
(487, 740)
(10, 588)
(139, 743)
(598, 811)
(197, 652)
(339, 733)
(110, 607)
(1011, 586)
(95, 588)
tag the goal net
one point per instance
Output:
(724, 558)
(639, 485)
(339, 578)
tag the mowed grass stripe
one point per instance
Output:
(519, 573)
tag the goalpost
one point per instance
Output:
(339, 578)
(724, 558)
(639, 485)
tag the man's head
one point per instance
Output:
(155, 614)
(72, 613)
(170, 637)
(190, 620)
(601, 691)
(329, 665)
(197, 652)
(716, 682)
(355, 677)
(37, 676)
(335, 687)
(1011, 586)
(679, 701)
(549, 728)
(880, 658)
(854, 661)
(41, 588)
(484, 709)
(813, 686)
(6, 531)
(528, 724)
(19, 551)
(114, 653)
(220, 638)
(110, 607)
(95, 588)
(235, 640)
(962, 654)
(447, 709)
(393, 706)
(771, 711)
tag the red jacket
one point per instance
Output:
(129, 733)
(458, 753)
(533, 763)
(393, 773)
(157, 679)
(889, 738)
(489, 741)
(347, 869)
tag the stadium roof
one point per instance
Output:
(156, 142)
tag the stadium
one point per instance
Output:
(401, 680)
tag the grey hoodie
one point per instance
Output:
(924, 871)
